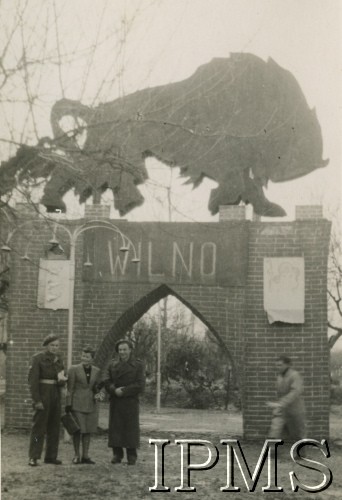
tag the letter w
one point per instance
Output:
(114, 266)
(269, 451)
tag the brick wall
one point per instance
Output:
(305, 343)
(103, 311)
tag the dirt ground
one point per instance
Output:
(105, 480)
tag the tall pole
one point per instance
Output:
(158, 358)
(73, 238)
(71, 297)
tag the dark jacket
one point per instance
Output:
(45, 365)
(124, 410)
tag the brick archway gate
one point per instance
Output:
(218, 271)
(135, 312)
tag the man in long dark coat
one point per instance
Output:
(124, 381)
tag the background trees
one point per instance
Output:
(49, 50)
(195, 371)
(335, 281)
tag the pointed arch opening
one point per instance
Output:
(134, 313)
(187, 396)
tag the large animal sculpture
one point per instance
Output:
(240, 121)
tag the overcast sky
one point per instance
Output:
(143, 43)
(171, 39)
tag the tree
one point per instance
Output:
(194, 366)
(335, 282)
(42, 61)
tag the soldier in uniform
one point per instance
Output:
(46, 376)
(124, 381)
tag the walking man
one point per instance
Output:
(124, 382)
(289, 410)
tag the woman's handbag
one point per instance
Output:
(70, 423)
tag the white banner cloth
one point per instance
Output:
(53, 284)
(284, 289)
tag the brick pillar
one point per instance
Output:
(97, 211)
(305, 212)
(232, 212)
(256, 217)
(305, 343)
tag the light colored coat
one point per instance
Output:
(289, 418)
(80, 394)
(290, 392)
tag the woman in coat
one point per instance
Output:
(124, 382)
(82, 396)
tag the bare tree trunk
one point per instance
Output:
(334, 338)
